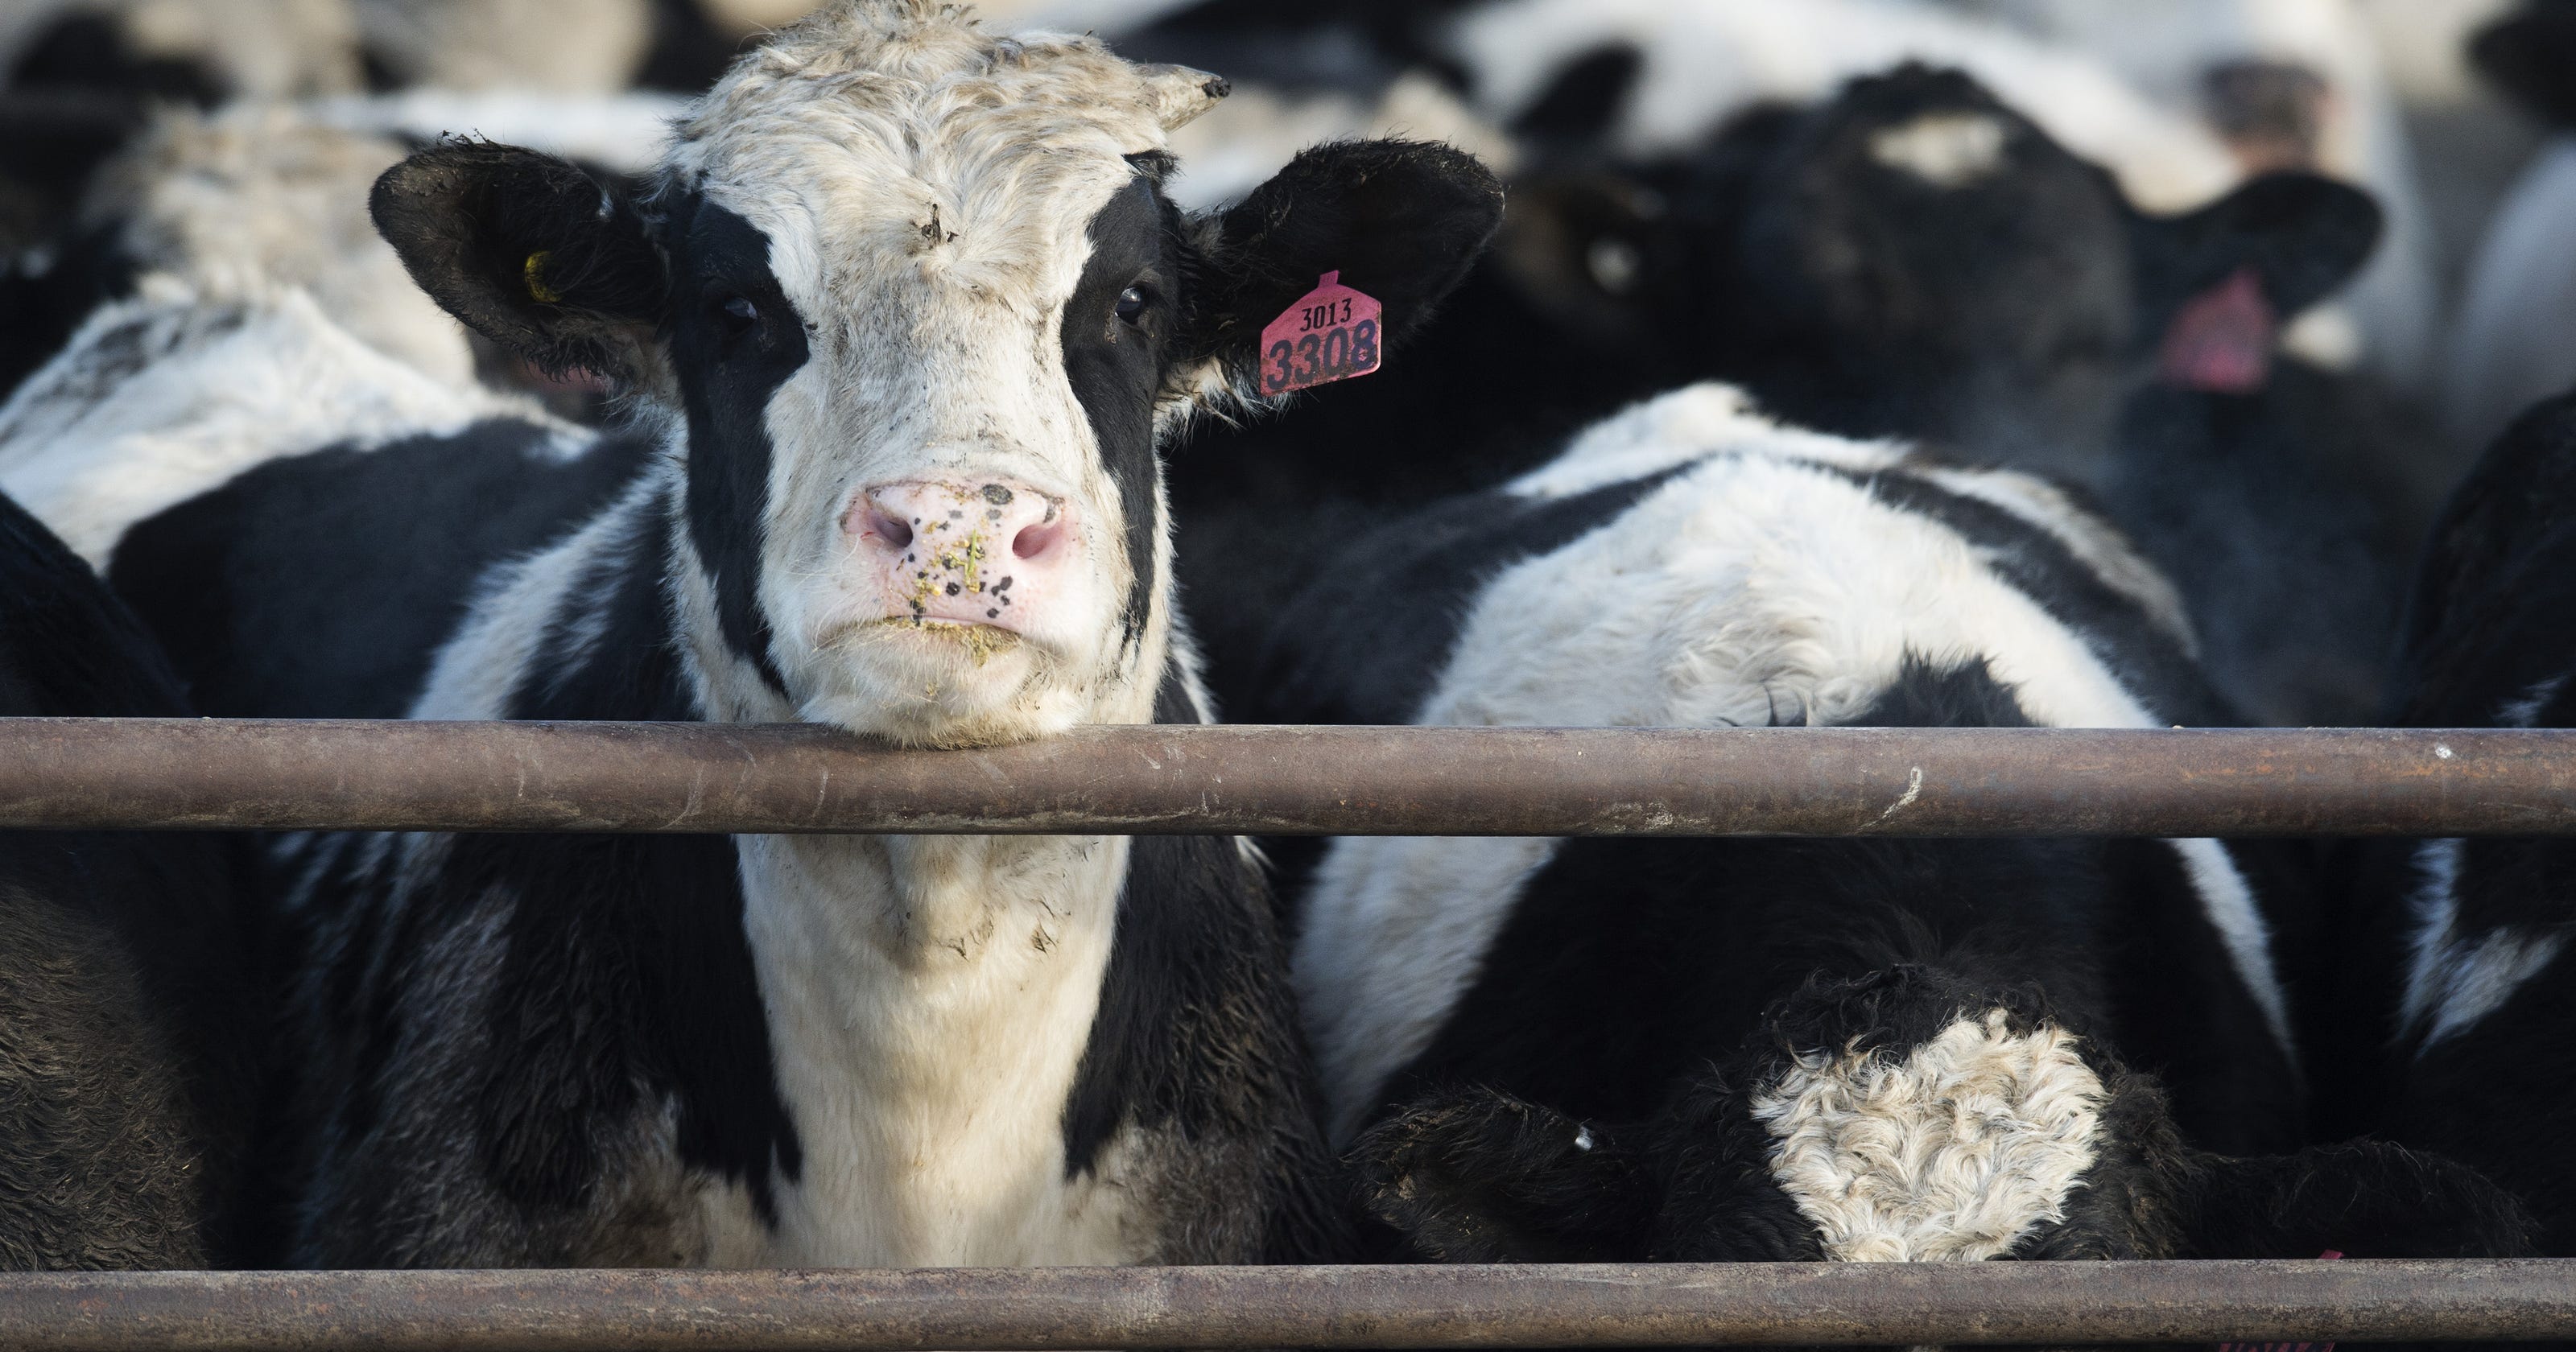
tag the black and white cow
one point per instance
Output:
(131, 1007)
(1799, 1049)
(1910, 258)
(901, 328)
(2457, 1007)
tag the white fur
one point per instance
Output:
(2433, 907)
(226, 387)
(928, 999)
(1706, 59)
(1256, 131)
(624, 132)
(2523, 710)
(1752, 586)
(261, 196)
(2424, 45)
(2515, 342)
(934, 354)
(1951, 1153)
(255, 49)
(567, 46)
(1947, 150)
(2454, 979)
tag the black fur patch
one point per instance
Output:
(131, 1000)
(1367, 641)
(1197, 1036)
(625, 974)
(528, 251)
(728, 371)
(2147, 660)
(2486, 629)
(1583, 103)
(1116, 366)
(1400, 220)
(321, 586)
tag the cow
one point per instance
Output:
(1766, 1049)
(899, 329)
(132, 1002)
(1910, 258)
(2456, 966)
(2292, 84)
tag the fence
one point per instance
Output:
(1676, 1304)
(218, 774)
(211, 773)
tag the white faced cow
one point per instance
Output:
(901, 325)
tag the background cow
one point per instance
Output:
(1803, 1049)
(132, 1012)
(2455, 1001)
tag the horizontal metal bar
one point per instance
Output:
(1631, 1305)
(210, 773)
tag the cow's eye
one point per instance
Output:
(1131, 304)
(736, 314)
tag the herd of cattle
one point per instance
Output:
(1834, 362)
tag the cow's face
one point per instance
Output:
(1905, 1116)
(1913, 257)
(919, 308)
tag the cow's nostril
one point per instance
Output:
(1036, 540)
(876, 521)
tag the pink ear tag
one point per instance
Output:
(1331, 333)
(2221, 339)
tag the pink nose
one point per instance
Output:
(967, 552)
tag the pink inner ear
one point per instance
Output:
(2221, 339)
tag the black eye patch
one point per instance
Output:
(732, 354)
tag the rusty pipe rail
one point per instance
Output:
(1458, 781)
(1630, 1305)
(212, 773)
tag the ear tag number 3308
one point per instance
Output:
(1330, 334)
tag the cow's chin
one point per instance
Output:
(937, 683)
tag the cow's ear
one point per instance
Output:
(1474, 1176)
(2300, 236)
(2362, 1199)
(528, 251)
(2215, 285)
(1401, 221)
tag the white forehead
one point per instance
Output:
(840, 136)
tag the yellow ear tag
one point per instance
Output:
(535, 273)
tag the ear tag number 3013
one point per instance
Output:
(1330, 334)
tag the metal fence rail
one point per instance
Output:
(213, 773)
(1675, 1304)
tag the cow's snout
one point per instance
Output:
(981, 551)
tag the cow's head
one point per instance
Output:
(1905, 1116)
(915, 308)
(1915, 257)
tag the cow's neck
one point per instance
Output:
(930, 1001)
